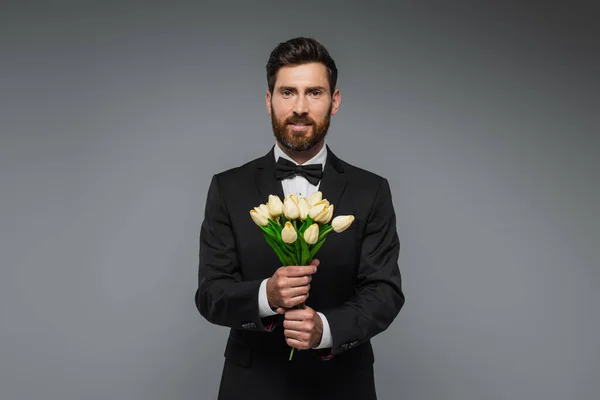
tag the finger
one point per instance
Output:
(294, 343)
(293, 325)
(296, 281)
(280, 310)
(297, 335)
(299, 270)
(296, 315)
(301, 325)
(294, 301)
(295, 291)
(297, 344)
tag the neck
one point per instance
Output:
(302, 156)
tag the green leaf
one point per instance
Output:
(279, 246)
(269, 230)
(316, 248)
(276, 227)
(305, 253)
(291, 250)
(298, 248)
(302, 228)
(277, 250)
(324, 232)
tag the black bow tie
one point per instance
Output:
(287, 169)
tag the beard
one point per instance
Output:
(300, 141)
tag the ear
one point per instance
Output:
(268, 100)
(335, 101)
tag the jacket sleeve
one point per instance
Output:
(378, 296)
(222, 297)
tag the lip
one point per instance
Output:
(299, 127)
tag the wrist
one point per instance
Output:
(319, 326)
(269, 300)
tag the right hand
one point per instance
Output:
(289, 285)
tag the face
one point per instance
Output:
(301, 105)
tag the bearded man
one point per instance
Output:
(351, 292)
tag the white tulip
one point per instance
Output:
(317, 208)
(311, 234)
(263, 210)
(275, 206)
(258, 218)
(342, 222)
(288, 233)
(329, 215)
(315, 198)
(304, 208)
(290, 207)
(325, 216)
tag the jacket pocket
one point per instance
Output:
(238, 352)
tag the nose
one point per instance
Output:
(301, 106)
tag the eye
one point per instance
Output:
(315, 93)
(286, 93)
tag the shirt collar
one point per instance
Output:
(319, 158)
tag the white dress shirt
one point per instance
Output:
(300, 185)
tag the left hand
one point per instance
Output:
(303, 328)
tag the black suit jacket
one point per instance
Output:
(357, 286)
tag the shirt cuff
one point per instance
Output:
(326, 339)
(263, 302)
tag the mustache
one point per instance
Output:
(299, 120)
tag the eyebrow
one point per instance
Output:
(309, 89)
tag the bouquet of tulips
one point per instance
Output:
(297, 227)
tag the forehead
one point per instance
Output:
(304, 75)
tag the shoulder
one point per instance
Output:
(240, 172)
(368, 179)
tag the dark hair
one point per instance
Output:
(297, 51)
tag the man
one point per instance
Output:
(352, 290)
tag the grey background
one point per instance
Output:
(482, 115)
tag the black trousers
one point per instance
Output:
(304, 378)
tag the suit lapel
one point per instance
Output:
(334, 180)
(266, 179)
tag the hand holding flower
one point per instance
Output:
(289, 285)
(303, 328)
